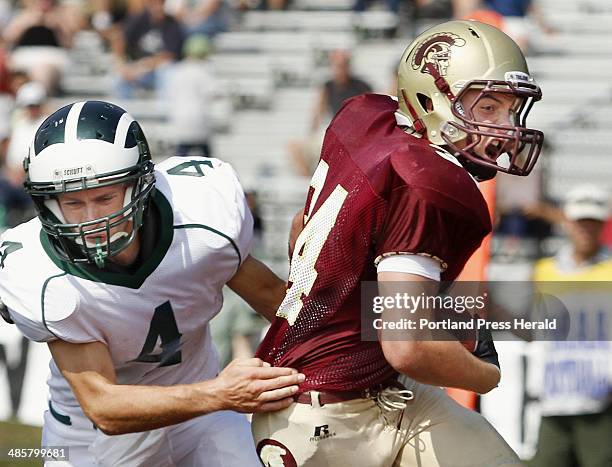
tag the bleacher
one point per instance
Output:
(271, 63)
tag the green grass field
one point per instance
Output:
(16, 435)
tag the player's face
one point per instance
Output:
(87, 205)
(95, 203)
(494, 108)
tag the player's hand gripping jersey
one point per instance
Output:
(377, 191)
(159, 335)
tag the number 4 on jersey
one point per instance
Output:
(163, 326)
(190, 168)
(309, 244)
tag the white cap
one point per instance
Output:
(32, 93)
(587, 202)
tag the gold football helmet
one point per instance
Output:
(438, 70)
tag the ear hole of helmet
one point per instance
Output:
(425, 102)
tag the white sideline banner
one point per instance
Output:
(24, 369)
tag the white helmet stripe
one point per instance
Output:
(72, 122)
(122, 129)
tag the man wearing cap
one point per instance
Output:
(576, 425)
(191, 90)
(30, 102)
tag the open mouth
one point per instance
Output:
(494, 148)
(95, 240)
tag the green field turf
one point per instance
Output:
(16, 435)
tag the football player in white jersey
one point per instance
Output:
(120, 274)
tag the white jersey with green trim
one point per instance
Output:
(154, 321)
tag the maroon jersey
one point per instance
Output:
(377, 190)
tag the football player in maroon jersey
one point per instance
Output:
(395, 198)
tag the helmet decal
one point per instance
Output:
(273, 453)
(434, 53)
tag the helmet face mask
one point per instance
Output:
(119, 228)
(511, 148)
(439, 75)
(86, 146)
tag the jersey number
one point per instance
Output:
(163, 326)
(190, 168)
(309, 244)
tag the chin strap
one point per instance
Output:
(417, 123)
(479, 172)
(440, 82)
(99, 256)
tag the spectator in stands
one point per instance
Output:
(462, 8)
(576, 426)
(107, 17)
(5, 126)
(16, 80)
(270, 4)
(417, 8)
(151, 41)
(39, 36)
(517, 18)
(521, 228)
(606, 235)
(392, 5)
(341, 86)
(236, 330)
(208, 17)
(15, 205)
(105, 13)
(6, 11)
(29, 114)
(6, 105)
(191, 90)
(469, 9)
(4, 71)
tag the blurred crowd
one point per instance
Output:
(160, 49)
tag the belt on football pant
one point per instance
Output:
(343, 396)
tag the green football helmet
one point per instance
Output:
(81, 146)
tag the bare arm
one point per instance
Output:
(18, 25)
(154, 61)
(297, 225)
(133, 69)
(206, 9)
(246, 385)
(441, 363)
(259, 287)
(536, 12)
(320, 109)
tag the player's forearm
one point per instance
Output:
(259, 287)
(442, 363)
(120, 409)
(268, 304)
